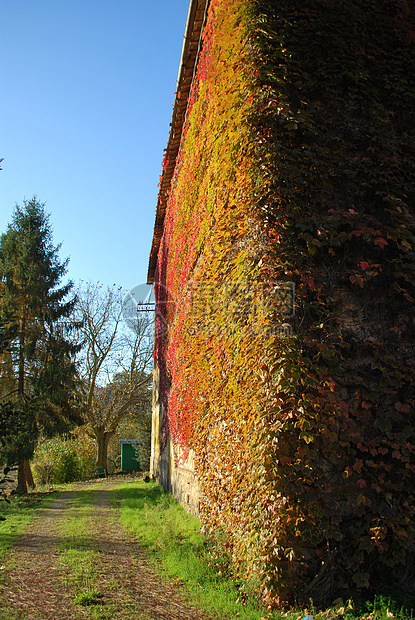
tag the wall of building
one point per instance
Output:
(295, 411)
(204, 198)
(176, 476)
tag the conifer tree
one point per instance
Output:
(40, 354)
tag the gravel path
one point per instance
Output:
(36, 587)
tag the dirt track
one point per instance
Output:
(36, 587)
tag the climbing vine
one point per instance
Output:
(296, 171)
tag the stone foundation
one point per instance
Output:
(177, 479)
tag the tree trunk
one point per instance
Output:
(29, 475)
(25, 478)
(102, 438)
(22, 339)
(22, 480)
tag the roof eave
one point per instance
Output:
(188, 61)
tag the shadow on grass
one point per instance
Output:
(75, 505)
(146, 492)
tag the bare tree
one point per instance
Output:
(115, 361)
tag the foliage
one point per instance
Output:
(60, 460)
(334, 184)
(297, 165)
(13, 434)
(173, 537)
(39, 376)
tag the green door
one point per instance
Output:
(129, 457)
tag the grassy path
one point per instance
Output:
(75, 561)
(79, 559)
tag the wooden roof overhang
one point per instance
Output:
(188, 62)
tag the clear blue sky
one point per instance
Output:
(87, 90)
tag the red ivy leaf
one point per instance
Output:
(403, 408)
(358, 466)
(380, 242)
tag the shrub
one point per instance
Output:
(61, 459)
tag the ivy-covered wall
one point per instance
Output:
(296, 171)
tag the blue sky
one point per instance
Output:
(87, 90)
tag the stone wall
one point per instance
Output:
(179, 480)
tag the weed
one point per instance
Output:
(88, 596)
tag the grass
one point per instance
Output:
(173, 537)
(80, 558)
(79, 554)
(18, 514)
(88, 596)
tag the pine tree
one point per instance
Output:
(40, 354)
